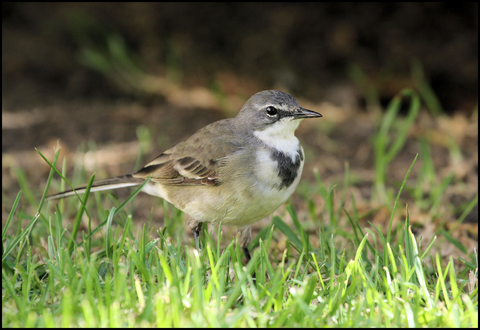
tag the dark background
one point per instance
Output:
(306, 48)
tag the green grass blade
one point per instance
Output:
(25, 232)
(78, 218)
(424, 88)
(464, 214)
(49, 179)
(452, 240)
(60, 174)
(389, 232)
(399, 141)
(10, 215)
(287, 231)
(108, 234)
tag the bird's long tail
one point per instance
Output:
(107, 184)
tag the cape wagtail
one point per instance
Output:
(235, 171)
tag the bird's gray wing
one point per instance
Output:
(195, 161)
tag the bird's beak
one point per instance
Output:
(304, 113)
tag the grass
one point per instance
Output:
(124, 272)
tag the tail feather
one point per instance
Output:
(107, 184)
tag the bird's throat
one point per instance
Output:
(280, 136)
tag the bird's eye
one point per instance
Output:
(271, 111)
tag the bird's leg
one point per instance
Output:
(196, 227)
(247, 254)
(196, 234)
(245, 239)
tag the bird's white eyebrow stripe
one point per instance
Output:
(278, 106)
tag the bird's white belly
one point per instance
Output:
(268, 191)
(249, 200)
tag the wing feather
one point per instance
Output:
(195, 161)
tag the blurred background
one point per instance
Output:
(109, 79)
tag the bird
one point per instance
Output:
(235, 171)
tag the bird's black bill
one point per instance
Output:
(304, 113)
